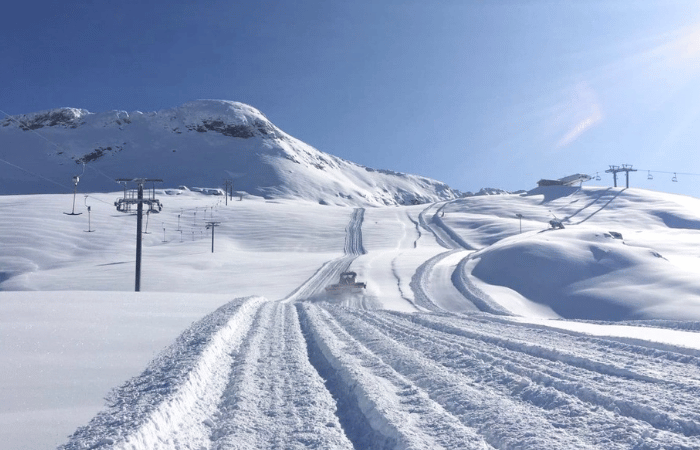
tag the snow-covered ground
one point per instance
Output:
(470, 334)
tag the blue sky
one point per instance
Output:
(473, 93)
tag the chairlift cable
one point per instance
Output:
(102, 173)
(670, 173)
(68, 189)
(12, 118)
(37, 175)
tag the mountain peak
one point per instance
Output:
(66, 117)
(200, 143)
(233, 119)
(234, 112)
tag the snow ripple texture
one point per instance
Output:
(443, 381)
(319, 375)
(168, 404)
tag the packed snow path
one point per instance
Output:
(308, 372)
(318, 375)
(330, 271)
(440, 284)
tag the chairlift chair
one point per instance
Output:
(675, 178)
(649, 175)
(597, 177)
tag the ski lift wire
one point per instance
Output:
(676, 173)
(102, 173)
(12, 118)
(33, 131)
(37, 175)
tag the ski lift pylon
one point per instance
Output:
(76, 180)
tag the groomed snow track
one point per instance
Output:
(445, 381)
(453, 262)
(305, 373)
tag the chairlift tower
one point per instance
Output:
(627, 168)
(76, 180)
(228, 190)
(126, 202)
(212, 225)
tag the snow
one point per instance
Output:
(199, 143)
(584, 271)
(470, 334)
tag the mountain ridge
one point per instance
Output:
(201, 142)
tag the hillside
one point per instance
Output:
(470, 334)
(201, 143)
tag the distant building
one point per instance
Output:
(571, 180)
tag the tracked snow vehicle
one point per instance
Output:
(346, 284)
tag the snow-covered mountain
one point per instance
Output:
(201, 143)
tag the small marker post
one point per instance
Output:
(89, 230)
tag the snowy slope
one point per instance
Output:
(441, 351)
(201, 143)
(624, 254)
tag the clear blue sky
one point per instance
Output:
(473, 93)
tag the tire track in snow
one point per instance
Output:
(449, 232)
(331, 270)
(167, 405)
(175, 402)
(601, 354)
(597, 374)
(687, 330)
(275, 398)
(395, 272)
(442, 238)
(420, 281)
(353, 233)
(464, 289)
(327, 274)
(488, 412)
(356, 426)
(604, 402)
(479, 298)
(417, 225)
(390, 409)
